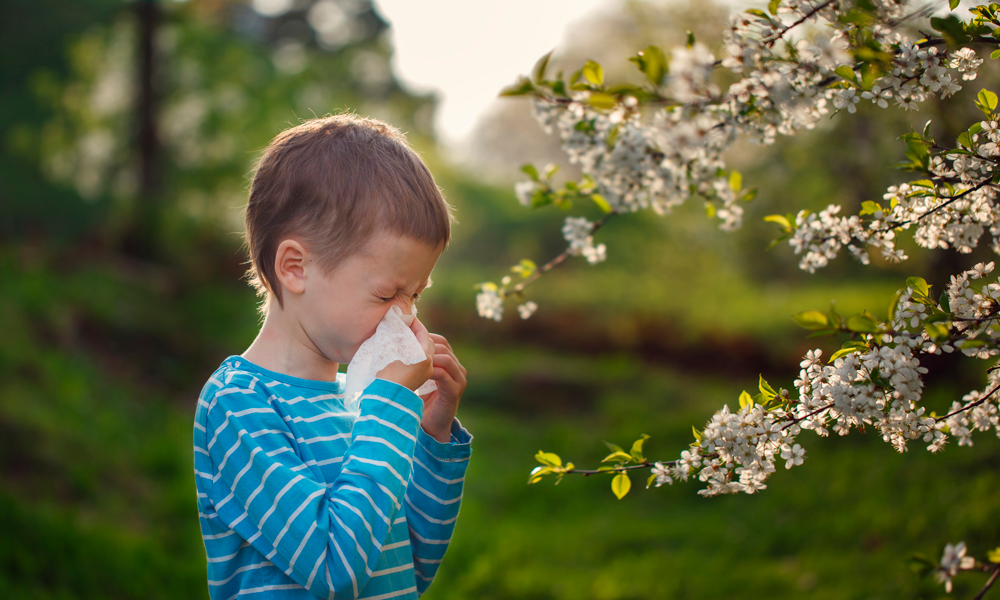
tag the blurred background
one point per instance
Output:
(127, 132)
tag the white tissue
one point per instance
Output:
(393, 340)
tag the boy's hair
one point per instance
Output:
(333, 183)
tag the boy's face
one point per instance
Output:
(342, 308)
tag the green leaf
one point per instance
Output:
(652, 63)
(537, 473)
(951, 28)
(750, 194)
(735, 181)
(811, 319)
(697, 434)
(690, 39)
(538, 73)
(996, 53)
(766, 389)
(593, 73)
(870, 72)
(548, 459)
(772, 6)
(936, 331)
(945, 301)
(522, 87)
(987, 102)
(919, 285)
(869, 208)
(602, 101)
(847, 73)
(650, 481)
(616, 456)
(780, 220)
(614, 447)
(745, 399)
(621, 484)
(953, 4)
(918, 153)
(637, 447)
(993, 555)
(601, 202)
(971, 343)
(530, 170)
(849, 348)
(862, 323)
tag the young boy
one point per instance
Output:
(298, 496)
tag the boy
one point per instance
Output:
(298, 496)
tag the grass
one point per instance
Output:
(102, 363)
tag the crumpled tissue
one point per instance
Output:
(393, 340)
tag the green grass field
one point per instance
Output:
(98, 494)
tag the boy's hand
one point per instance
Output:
(413, 376)
(441, 405)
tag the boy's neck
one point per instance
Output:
(283, 347)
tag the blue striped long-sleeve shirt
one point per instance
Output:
(299, 498)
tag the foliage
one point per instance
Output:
(657, 144)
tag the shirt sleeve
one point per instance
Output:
(433, 498)
(327, 539)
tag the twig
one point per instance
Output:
(989, 584)
(644, 465)
(555, 262)
(972, 405)
(804, 417)
(951, 200)
(802, 20)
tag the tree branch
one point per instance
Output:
(644, 465)
(989, 584)
(971, 405)
(770, 42)
(804, 417)
(555, 262)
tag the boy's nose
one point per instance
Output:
(406, 307)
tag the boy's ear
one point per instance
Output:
(290, 266)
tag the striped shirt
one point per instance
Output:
(299, 498)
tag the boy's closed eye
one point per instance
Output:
(414, 298)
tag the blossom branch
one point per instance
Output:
(971, 405)
(801, 20)
(989, 583)
(558, 260)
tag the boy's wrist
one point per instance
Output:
(440, 434)
(456, 450)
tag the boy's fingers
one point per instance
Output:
(446, 352)
(445, 348)
(450, 365)
(440, 339)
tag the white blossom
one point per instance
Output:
(489, 304)
(953, 561)
(966, 62)
(527, 309)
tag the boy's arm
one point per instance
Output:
(327, 540)
(433, 498)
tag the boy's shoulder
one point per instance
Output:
(238, 376)
(234, 373)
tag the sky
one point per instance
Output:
(466, 51)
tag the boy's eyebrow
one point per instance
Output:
(400, 288)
